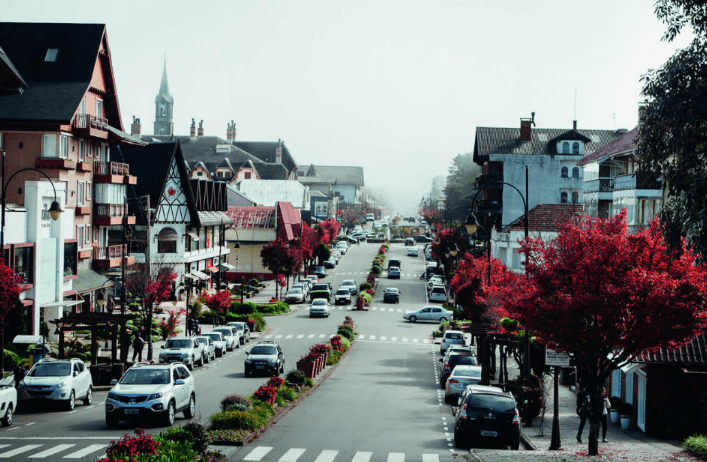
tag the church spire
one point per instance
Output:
(164, 106)
(164, 86)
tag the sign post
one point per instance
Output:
(556, 359)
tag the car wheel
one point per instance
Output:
(277, 371)
(111, 422)
(443, 319)
(168, 416)
(247, 373)
(413, 319)
(459, 441)
(238, 344)
(7, 420)
(71, 402)
(89, 397)
(207, 358)
(515, 443)
(447, 399)
(191, 408)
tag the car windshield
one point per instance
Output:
(320, 287)
(343, 292)
(348, 283)
(178, 343)
(455, 336)
(438, 290)
(142, 376)
(459, 359)
(391, 291)
(318, 301)
(294, 291)
(51, 370)
(494, 402)
(225, 332)
(263, 350)
(467, 373)
(203, 340)
(215, 337)
(238, 326)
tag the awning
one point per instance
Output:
(28, 340)
(89, 280)
(69, 293)
(200, 275)
(226, 267)
(213, 269)
(62, 303)
(194, 236)
(190, 276)
(214, 218)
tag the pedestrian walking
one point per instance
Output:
(584, 408)
(606, 405)
(138, 344)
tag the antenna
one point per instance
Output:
(575, 103)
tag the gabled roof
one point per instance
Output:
(694, 352)
(225, 163)
(497, 140)
(332, 175)
(10, 78)
(289, 221)
(204, 148)
(252, 217)
(546, 217)
(265, 151)
(624, 143)
(56, 86)
(271, 171)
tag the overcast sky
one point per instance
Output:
(396, 87)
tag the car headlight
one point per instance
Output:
(22, 383)
(112, 396)
(185, 355)
(271, 361)
(60, 385)
(155, 396)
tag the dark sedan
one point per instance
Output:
(391, 295)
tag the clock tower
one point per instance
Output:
(164, 103)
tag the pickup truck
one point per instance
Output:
(321, 290)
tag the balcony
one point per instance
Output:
(111, 256)
(87, 125)
(82, 210)
(601, 185)
(112, 172)
(54, 162)
(83, 166)
(111, 214)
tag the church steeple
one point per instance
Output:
(164, 103)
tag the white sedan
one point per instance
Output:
(428, 313)
(8, 398)
(319, 307)
(294, 295)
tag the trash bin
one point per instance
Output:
(37, 354)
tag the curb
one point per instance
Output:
(525, 441)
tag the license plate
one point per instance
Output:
(137, 411)
(259, 367)
(488, 433)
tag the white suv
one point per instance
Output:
(185, 350)
(63, 380)
(151, 390)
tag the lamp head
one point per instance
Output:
(454, 251)
(55, 210)
(237, 246)
(101, 298)
(471, 224)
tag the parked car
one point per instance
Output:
(343, 296)
(438, 294)
(336, 254)
(359, 236)
(60, 380)
(451, 337)
(151, 390)
(423, 238)
(461, 376)
(313, 278)
(319, 307)
(393, 272)
(219, 342)
(395, 262)
(342, 247)
(351, 285)
(209, 347)
(243, 328)
(412, 252)
(452, 361)
(436, 279)
(486, 413)
(265, 357)
(428, 313)
(232, 341)
(186, 350)
(320, 271)
(392, 295)
(295, 295)
(304, 286)
(8, 401)
(330, 263)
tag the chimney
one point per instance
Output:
(278, 152)
(201, 128)
(525, 127)
(574, 125)
(231, 132)
(192, 130)
(135, 127)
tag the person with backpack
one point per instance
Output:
(584, 409)
(138, 344)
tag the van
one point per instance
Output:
(370, 217)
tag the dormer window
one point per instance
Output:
(570, 146)
(564, 172)
(575, 172)
(565, 148)
(563, 198)
(575, 148)
(51, 55)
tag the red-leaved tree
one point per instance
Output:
(604, 296)
(218, 302)
(280, 258)
(154, 292)
(9, 291)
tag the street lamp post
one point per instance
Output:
(101, 297)
(54, 212)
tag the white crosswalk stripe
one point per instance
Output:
(362, 457)
(292, 455)
(430, 458)
(51, 451)
(258, 453)
(310, 336)
(396, 457)
(18, 451)
(327, 456)
(300, 336)
(94, 448)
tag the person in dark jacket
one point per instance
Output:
(584, 408)
(138, 343)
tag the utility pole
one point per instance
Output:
(123, 333)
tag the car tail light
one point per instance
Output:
(446, 366)
(463, 413)
(516, 418)
(452, 381)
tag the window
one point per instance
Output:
(89, 186)
(79, 235)
(575, 198)
(246, 175)
(564, 172)
(163, 111)
(49, 146)
(565, 148)
(161, 131)
(82, 150)
(575, 148)
(99, 107)
(0, 140)
(89, 149)
(51, 55)
(563, 198)
(64, 147)
(70, 258)
(167, 241)
(24, 264)
(199, 173)
(65, 184)
(81, 191)
(575, 172)
(82, 108)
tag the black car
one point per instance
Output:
(265, 357)
(320, 271)
(487, 414)
(331, 263)
(392, 295)
(449, 362)
(395, 262)
(423, 239)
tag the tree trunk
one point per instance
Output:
(596, 402)
(149, 332)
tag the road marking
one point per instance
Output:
(361, 337)
(300, 336)
(278, 336)
(371, 337)
(430, 458)
(383, 337)
(50, 451)
(327, 456)
(4, 445)
(20, 450)
(394, 339)
(258, 453)
(374, 308)
(292, 455)
(322, 335)
(426, 341)
(362, 457)
(415, 340)
(310, 336)
(31, 423)
(405, 339)
(86, 451)
(396, 457)
(290, 336)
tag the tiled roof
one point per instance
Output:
(546, 217)
(331, 174)
(203, 148)
(694, 352)
(498, 140)
(626, 142)
(271, 171)
(289, 221)
(265, 151)
(252, 217)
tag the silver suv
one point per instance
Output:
(151, 390)
(63, 380)
(186, 350)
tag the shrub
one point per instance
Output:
(253, 419)
(264, 393)
(259, 321)
(128, 446)
(295, 377)
(335, 342)
(459, 315)
(625, 409)
(275, 382)
(11, 360)
(276, 307)
(172, 450)
(334, 357)
(177, 434)
(286, 393)
(365, 286)
(244, 308)
(367, 299)
(200, 439)
(376, 269)
(345, 332)
(511, 325)
(696, 444)
(231, 400)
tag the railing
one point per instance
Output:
(599, 185)
(108, 253)
(110, 210)
(88, 120)
(110, 168)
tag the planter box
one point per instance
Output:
(625, 422)
(308, 368)
(614, 415)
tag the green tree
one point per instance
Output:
(672, 137)
(460, 182)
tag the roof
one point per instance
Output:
(206, 149)
(546, 217)
(54, 88)
(164, 87)
(271, 171)
(694, 352)
(269, 192)
(331, 174)
(265, 151)
(496, 140)
(252, 217)
(625, 142)
(289, 221)
(89, 279)
(10, 78)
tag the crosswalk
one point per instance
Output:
(367, 338)
(370, 308)
(51, 452)
(365, 273)
(265, 453)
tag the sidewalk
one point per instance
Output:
(623, 444)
